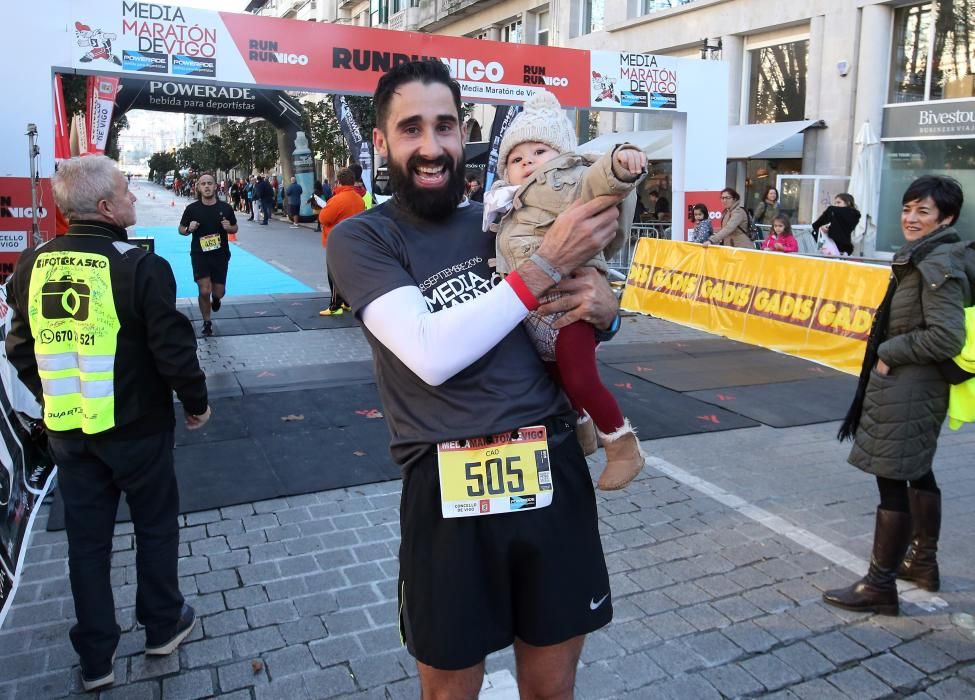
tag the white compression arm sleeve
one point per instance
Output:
(436, 346)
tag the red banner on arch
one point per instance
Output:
(287, 53)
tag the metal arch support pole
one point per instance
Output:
(32, 154)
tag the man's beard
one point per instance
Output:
(424, 202)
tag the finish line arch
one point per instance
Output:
(167, 94)
(169, 42)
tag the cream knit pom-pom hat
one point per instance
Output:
(542, 120)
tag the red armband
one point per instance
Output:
(521, 289)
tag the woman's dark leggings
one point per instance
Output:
(893, 492)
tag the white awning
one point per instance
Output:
(781, 140)
(646, 140)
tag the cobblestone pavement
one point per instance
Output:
(718, 555)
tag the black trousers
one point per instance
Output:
(92, 474)
(267, 206)
(337, 299)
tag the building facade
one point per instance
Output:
(824, 66)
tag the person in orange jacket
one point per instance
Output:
(343, 203)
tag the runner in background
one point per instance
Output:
(209, 222)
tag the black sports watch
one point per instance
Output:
(608, 334)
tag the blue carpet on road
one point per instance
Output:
(248, 273)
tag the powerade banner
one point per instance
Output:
(813, 308)
(243, 49)
(25, 473)
(360, 147)
(633, 80)
(101, 104)
(502, 120)
(169, 95)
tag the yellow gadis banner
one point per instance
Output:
(815, 308)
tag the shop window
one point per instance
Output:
(777, 87)
(904, 161)
(933, 52)
(762, 174)
(593, 16)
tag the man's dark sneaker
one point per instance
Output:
(215, 303)
(99, 678)
(207, 329)
(187, 619)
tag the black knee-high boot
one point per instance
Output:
(920, 564)
(877, 591)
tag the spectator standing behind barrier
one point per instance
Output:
(360, 186)
(345, 202)
(293, 193)
(780, 237)
(838, 222)
(902, 396)
(660, 206)
(251, 200)
(235, 194)
(317, 203)
(702, 224)
(264, 193)
(768, 208)
(113, 350)
(734, 223)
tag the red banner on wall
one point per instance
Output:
(285, 52)
(16, 219)
(712, 200)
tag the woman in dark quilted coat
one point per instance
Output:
(902, 398)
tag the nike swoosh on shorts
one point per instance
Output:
(594, 604)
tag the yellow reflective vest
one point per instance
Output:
(72, 312)
(961, 397)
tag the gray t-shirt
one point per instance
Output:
(386, 248)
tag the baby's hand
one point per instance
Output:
(631, 160)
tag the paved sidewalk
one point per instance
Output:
(718, 555)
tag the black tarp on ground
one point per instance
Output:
(303, 429)
(223, 327)
(657, 412)
(787, 404)
(718, 370)
(305, 376)
(304, 313)
(284, 443)
(277, 316)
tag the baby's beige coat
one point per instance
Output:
(549, 191)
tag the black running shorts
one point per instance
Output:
(210, 265)
(470, 586)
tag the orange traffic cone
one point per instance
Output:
(232, 237)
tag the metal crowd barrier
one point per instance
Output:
(619, 264)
